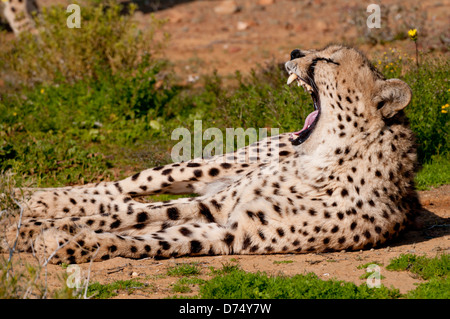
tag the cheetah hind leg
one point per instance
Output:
(186, 239)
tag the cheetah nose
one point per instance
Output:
(290, 66)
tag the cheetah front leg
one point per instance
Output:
(196, 176)
(186, 239)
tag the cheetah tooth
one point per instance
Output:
(291, 78)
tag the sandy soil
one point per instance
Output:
(259, 32)
(431, 238)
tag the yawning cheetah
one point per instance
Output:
(343, 182)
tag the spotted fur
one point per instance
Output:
(347, 186)
(19, 14)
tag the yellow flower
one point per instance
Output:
(413, 34)
(14, 114)
(443, 111)
(42, 91)
(5, 1)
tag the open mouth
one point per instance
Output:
(299, 137)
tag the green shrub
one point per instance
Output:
(261, 286)
(107, 42)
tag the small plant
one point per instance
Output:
(261, 286)
(105, 291)
(183, 285)
(426, 268)
(184, 269)
(279, 262)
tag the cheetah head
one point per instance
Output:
(351, 97)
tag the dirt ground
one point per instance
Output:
(206, 38)
(431, 238)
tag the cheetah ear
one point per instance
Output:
(394, 95)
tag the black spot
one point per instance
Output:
(198, 173)
(344, 192)
(284, 153)
(280, 232)
(135, 176)
(115, 224)
(356, 238)
(166, 171)
(66, 210)
(377, 173)
(225, 165)
(143, 187)
(340, 215)
(367, 234)
(204, 210)
(142, 217)
(73, 201)
(158, 168)
(70, 251)
(359, 203)
(118, 187)
(350, 179)
(261, 235)
(277, 209)
(262, 218)
(228, 239)
(250, 214)
(193, 165)
(213, 172)
(139, 226)
(335, 229)
(378, 229)
(326, 214)
(349, 100)
(341, 240)
(371, 203)
(130, 209)
(173, 213)
(196, 247)
(353, 225)
(112, 248)
(312, 212)
(164, 244)
(216, 204)
(102, 208)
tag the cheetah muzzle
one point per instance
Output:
(343, 182)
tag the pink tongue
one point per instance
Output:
(309, 120)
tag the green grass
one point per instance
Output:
(261, 286)
(436, 270)
(105, 291)
(184, 269)
(426, 268)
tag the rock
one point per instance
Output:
(227, 7)
(241, 25)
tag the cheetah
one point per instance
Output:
(342, 182)
(19, 14)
